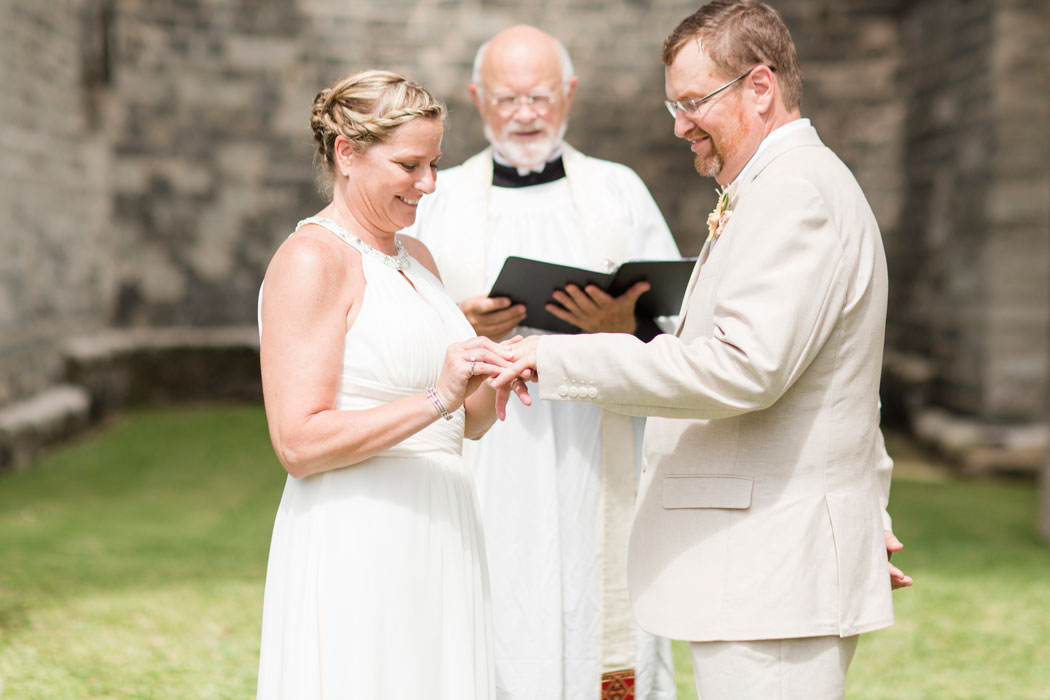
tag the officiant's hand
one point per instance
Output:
(494, 318)
(521, 353)
(592, 310)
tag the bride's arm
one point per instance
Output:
(307, 299)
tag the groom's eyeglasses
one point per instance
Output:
(692, 106)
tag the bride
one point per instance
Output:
(376, 585)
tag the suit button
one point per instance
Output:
(593, 392)
(574, 392)
(563, 390)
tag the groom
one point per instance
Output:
(761, 534)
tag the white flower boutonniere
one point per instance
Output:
(717, 219)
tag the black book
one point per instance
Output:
(532, 282)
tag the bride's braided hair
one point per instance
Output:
(366, 108)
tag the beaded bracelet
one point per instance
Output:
(436, 400)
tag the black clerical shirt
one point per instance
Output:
(508, 176)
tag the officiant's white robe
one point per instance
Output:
(550, 495)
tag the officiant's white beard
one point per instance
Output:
(527, 157)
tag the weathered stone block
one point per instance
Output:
(49, 417)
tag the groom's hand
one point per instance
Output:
(898, 579)
(522, 367)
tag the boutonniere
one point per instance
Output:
(717, 219)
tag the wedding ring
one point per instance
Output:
(472, 359)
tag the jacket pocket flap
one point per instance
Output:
(707, 491)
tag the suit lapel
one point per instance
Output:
(805, 136)
(704, 252)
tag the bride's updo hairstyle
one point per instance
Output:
(366, 108)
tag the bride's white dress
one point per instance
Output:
(376, 586)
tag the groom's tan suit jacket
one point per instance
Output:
(762, 504)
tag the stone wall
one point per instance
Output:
(1017, 374)
(54, 264)
(207, 108)
(212, 151)
(210, 105)
(971, 265)
(946, 76)
(157, 152)
(851, 60)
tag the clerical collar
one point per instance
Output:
(508, 176)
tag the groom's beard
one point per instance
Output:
(722, 148)
(527, 156)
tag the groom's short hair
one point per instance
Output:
(738, 35)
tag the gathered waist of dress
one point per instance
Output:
(446, 436)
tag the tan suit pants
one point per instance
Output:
(810, 668)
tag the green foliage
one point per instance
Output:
(132, 565)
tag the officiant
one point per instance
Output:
(557, 481)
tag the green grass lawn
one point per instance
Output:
(133, 561)
(132, 565)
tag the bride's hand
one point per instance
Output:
(467, 365)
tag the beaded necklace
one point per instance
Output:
(399, 261)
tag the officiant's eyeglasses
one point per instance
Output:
(539, 102)
(692, 106)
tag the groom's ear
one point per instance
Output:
(764, 87)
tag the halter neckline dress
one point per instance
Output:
(376, 586)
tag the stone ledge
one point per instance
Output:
(979, 448)
(157, 365)
(114, 369)
(972, 446)
(29, 426)
(115, 341)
